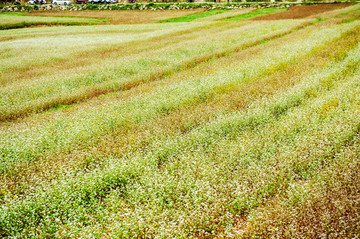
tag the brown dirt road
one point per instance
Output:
(122, 16)
(299, 12)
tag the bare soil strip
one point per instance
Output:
(122, 17)
(304, 11)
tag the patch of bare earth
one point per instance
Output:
(304, 11)
(122, 16)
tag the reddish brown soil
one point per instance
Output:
(121, 16)
(298, 12)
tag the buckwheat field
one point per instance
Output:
(181, 123)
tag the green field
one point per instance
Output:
(11, 20)
(202, 129)
(256, 13)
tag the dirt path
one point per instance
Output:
(298, 12)
(122, 16)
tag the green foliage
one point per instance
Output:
(256, 13)
(93, 7)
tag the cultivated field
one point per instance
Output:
(193, 124)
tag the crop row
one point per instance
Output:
(242, 133)
(203, 182)
(126, 71)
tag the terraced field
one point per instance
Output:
(213, 128)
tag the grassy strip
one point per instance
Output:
(34, 24)
(351, 12)
(20, 20)
(350, 16)
(193, 17)
(256, 13)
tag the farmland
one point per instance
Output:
(181, 124)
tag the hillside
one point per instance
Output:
(193, 124)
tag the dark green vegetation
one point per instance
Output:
(214, 129)
(256, 13)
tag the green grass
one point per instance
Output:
(193, 17)
(256, 13)
(20, 20)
